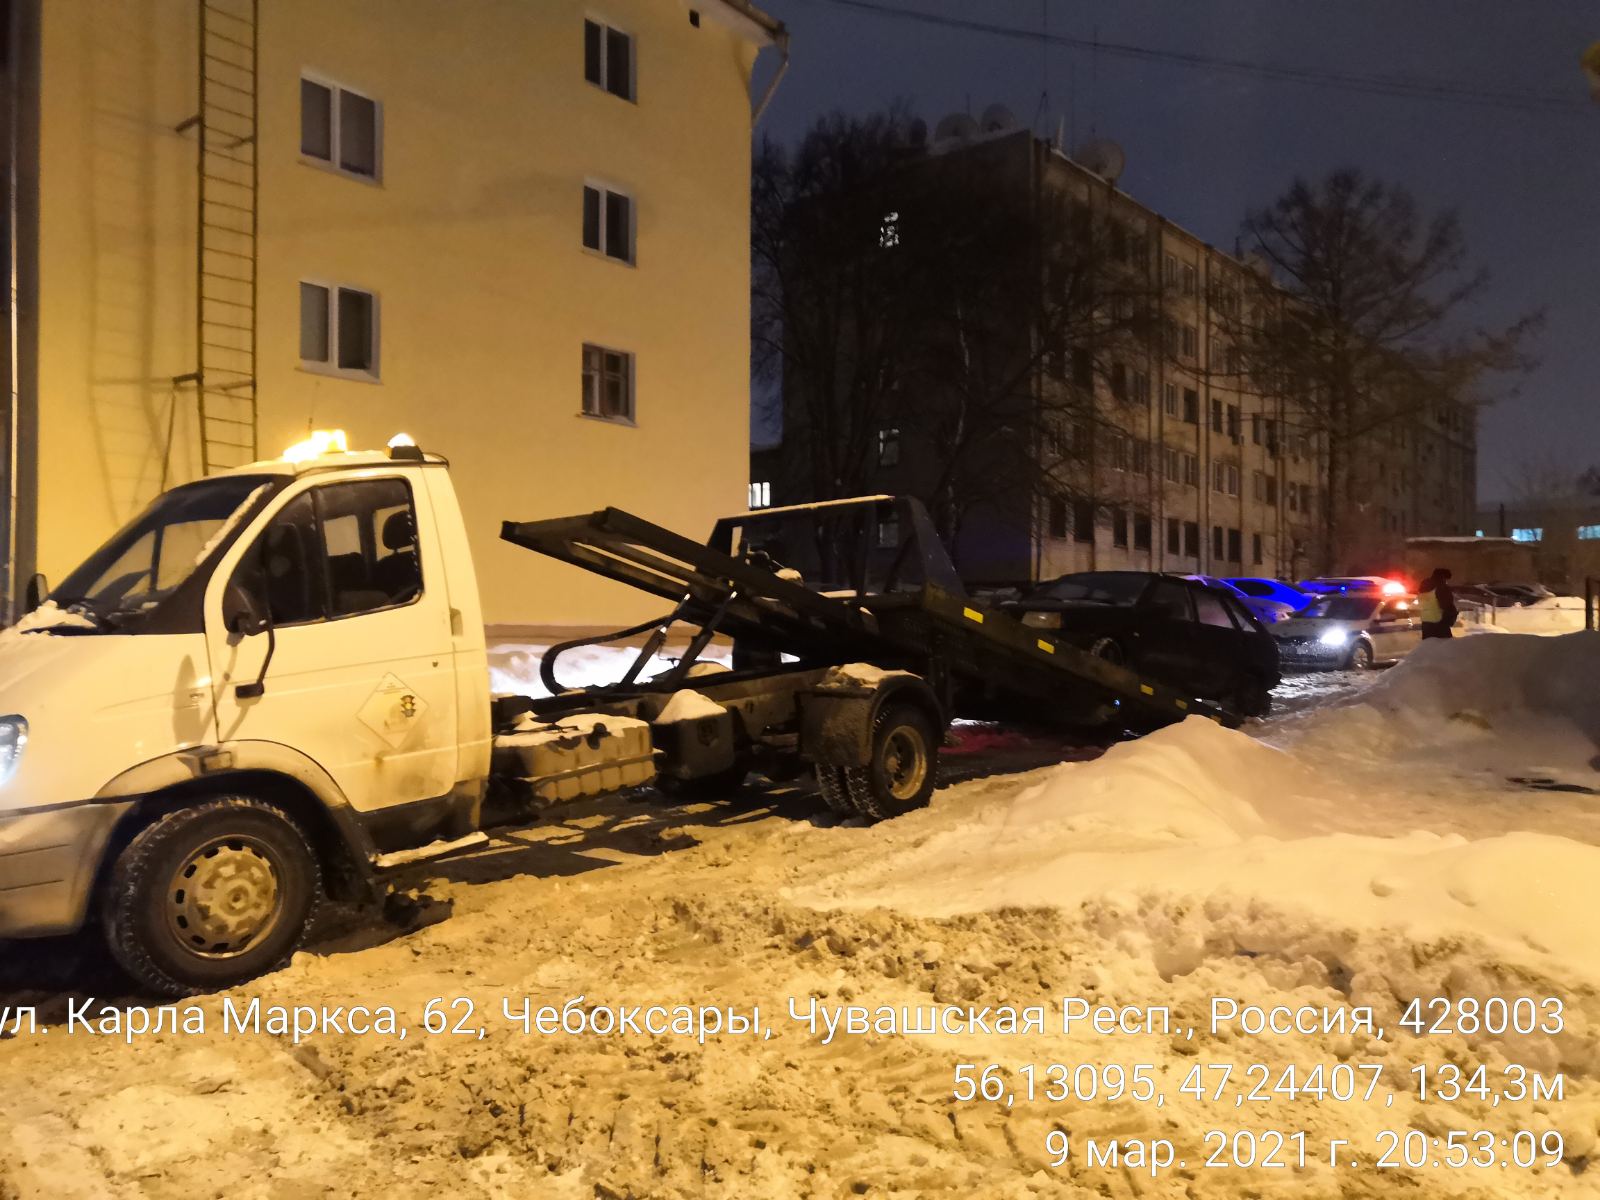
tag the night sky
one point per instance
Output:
(1203, 146)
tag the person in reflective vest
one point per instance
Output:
(1436, 604)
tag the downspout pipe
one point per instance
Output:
(780, 39)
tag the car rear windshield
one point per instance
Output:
(1340, 608)
(1096, 587)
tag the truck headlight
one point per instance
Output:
(1335, 637)
(13, 740)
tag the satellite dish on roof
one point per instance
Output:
(1104, 157)
(997, 118)
(957, 127)
(917, 133)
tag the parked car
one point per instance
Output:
(1272, 589)
(1180, 631)
(1519, 593)
(1353, 585)
(1349, 632)
(1267, 611)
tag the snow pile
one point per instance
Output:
(688, 705)
(50, 615)
(1513, 679)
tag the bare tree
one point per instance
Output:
(831, 313)
(943, 298)
(1362, 326)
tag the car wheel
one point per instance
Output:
(211, 895)
(1360, 657)
(1252, 699)
(1108, 649)
(904, 767)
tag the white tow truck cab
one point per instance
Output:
(272, 685)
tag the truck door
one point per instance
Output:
(361, 678)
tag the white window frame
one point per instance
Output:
(332, 163)
(607, 188)
(760, 494)
(373, 374)
(606, 24)
(633, 385)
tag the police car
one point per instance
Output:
(1342, 632)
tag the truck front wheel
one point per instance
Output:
(904, 766)
(211, 895)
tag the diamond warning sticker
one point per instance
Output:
(392, 711)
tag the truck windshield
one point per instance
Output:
(153, 554)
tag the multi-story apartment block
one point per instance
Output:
(477, 223)
(1172, 456)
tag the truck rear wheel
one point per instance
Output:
(209, 896)
(904, 765)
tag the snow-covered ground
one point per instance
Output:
(1429, 831)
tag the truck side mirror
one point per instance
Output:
(242, 613)
(38, 589)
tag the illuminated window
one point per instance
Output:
(1589, 533)
(888, 447)
(889, 231)
(1533, 534)
(760, 494)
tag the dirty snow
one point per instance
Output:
(1422, 832)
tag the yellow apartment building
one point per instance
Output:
(517, 230)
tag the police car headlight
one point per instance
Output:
(13, 740)
(1335, 637)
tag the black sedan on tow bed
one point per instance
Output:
(1179, 631)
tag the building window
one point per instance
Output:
(608, 59)
(607, 384)
(1255, 548)
(1119, 380)
(1586, 533)
(1082, 368)
(339, 127)
(1191, 470)
(1531, 534)
(339, 330)
(1191, 406)
(1083, 520)
(1141, 531)
(1058, 516)
(888, 447)
(1169, 399)
(1216, 416)
(1235, 551)
(608, 222)
(1169, 269)
(1141, 388)
(1191, 539)
(1216, 543)
(1255, 428)
(889, 231)
(1191, 341)
(1233, 423)
(1172, 535)
(761, 494)
(1172, 467)
(1190, 279)
(1119, 527)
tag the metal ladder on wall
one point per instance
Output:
(224, 378)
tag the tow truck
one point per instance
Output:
(271, 688)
